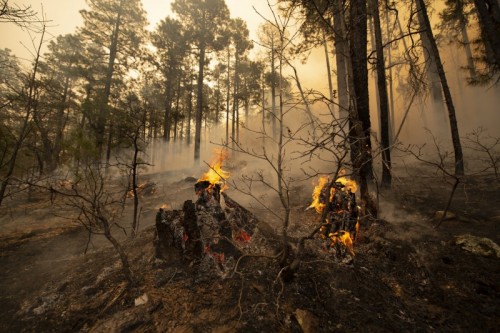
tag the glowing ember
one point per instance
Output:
(216, 174)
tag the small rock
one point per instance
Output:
(143, 299)
(307, 321)
(449, 215)
(495, 218)
(477, 245)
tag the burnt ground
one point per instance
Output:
(406, 276)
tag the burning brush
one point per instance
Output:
(342, 213)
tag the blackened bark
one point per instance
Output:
(360, 114)
(194, 248)
(383, 98)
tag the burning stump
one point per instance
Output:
(203, 231)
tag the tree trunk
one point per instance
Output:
(273, 89)
(235, 97)
(167, 120)
(468, 52)
(127, 271)
(360, 113)
(459, 161)
(228, 82)
(341, 53)
(135, 220)
(177, 112)
(199, 105)
(328, 69)
(383, 98)
(391, 89)
(103, 107)
(358, 51)
(62, 118)
(189, 114)
(217, 103)
(430, 60)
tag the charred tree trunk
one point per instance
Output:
(361, 110)
(194, 247)
(383, 98)
(457, 146)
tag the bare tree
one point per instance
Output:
(486, 145)
(97, 207)
(23, 16)
(25, 125)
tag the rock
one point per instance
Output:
(449, 215)
(190, 179)
(478, 245)
(495, 218)
(141, 300)
(307, 321)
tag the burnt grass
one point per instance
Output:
(406, 276)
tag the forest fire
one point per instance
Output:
(342, 220)
(216, 175)
(212, 182)
(319, 194)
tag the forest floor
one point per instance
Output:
(406, 275)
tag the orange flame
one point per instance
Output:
(343, 238)
(316, 203)
(216, 174)
(350, 184)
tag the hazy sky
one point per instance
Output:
(65, 17)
